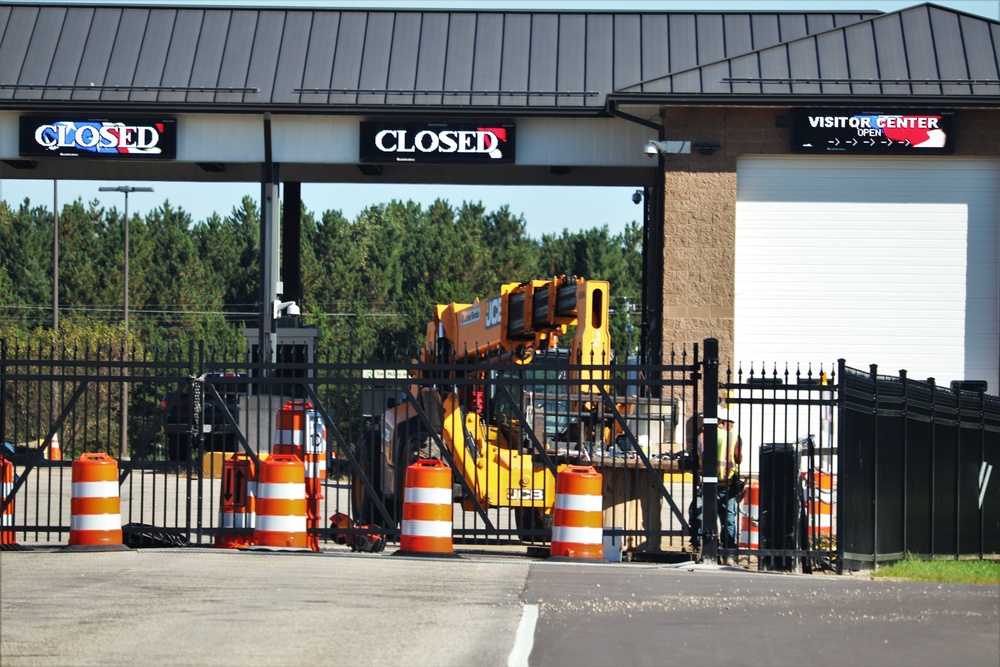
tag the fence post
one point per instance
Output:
(873, 373)
(986, 479)
(840, 444)
(903, 380)
(710, 454)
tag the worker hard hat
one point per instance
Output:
(725, 415)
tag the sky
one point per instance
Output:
(547, 210)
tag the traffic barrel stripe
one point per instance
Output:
(269, 523)
(579, 503)
(107, 489)
(282, 491)
(237, 520)
(96, 505)
(290, 436)
(95, 522)
(438, 529)
(423, 495)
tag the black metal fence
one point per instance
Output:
(917, 469)
(786, 420)
(842, 468)
(188, 408)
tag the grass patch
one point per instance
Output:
(942, 571)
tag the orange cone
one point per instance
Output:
(237, 511)
(578, 522)
(6, 487)
(750, 521)
(95, 508)
(281, 504)
(427, 510)
(55, 449)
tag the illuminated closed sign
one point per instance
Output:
(847, 131)
(128, 138)
(457, 143)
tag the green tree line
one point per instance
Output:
(371, 281)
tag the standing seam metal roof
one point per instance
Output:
(144, 58)
(923, 52)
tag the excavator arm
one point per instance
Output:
(523, 318)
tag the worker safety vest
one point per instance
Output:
(729, 452)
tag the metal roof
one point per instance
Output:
(304, 60)
(337, 61)
(923, 53)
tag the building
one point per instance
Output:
(822, 184)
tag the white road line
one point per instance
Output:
(525, 639)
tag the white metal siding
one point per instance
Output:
(891, 261)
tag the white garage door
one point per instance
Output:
(888, 261)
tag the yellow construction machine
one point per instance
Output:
(495, 397)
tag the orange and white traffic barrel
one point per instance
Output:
(55, 448)
(819, 503)
(281, 504)
(95, 508)
(238, 510)
(427, 510)
(6, 489)
(750, 518)
(299, 430)
(578, 522)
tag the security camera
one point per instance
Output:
(289, 308)
(654, 147)
(637, 197)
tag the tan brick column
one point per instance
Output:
(700, 242)
(699, 257)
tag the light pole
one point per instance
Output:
(126, 189)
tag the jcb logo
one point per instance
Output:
(526, 494)
(493, 312)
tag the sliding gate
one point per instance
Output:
(188, 410)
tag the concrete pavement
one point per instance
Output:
(220, 607)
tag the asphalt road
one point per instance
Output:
(218, 607)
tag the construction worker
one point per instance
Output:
(728, 493)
